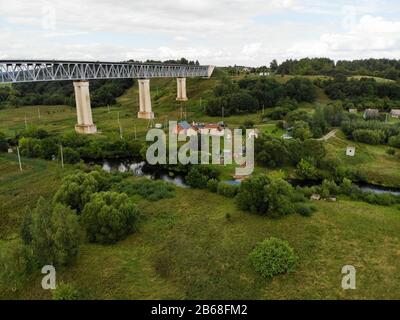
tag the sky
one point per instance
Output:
(217, 32)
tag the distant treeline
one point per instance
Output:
(384, 68)
(250, 95)
(102, 92)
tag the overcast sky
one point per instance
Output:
(220, 32)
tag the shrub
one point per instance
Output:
(391, 151)
(227, 190)
(70, 155)
(394, 141)
(373, 137)
(109, 217)
(65, 291)
(76, 190)
(305, 210)
(212, 185)
(148, 189)
(265, 196)
(30, 147)
(305, 170)
(199, 175)
(54, 233)
(272, 257)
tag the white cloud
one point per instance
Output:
(249, 32)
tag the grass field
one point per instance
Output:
(378, 166)
(187, 249)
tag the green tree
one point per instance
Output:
(55, 233)
(273, 256)
(109, 217)
(76, 190)
(305, 170)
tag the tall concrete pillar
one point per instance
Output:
(84, 112)
(181, 89)
(145, 111)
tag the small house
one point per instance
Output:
(371, 114)
(351, 151)
(395, 113)
(183, 127)
(315, 197)
(353, 110)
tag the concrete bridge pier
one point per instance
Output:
(181, 89)
(83, 109)
(145, 111)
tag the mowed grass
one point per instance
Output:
(186, 248)
(378, 166)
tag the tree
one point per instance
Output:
(301, 89)
(272, 257)
(3, 142)
(306, 170)
(55, 233)
(109, 217)
(70, 155)
(76, 190)
(301, 130)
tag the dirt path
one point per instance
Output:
(328, 135)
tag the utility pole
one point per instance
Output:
(120, 131)
(26, 123)
(62, 156)
(118, 117)
(38, 113)
(19, 159)
(108, 107)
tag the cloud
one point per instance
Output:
(214, 32)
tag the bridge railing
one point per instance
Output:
(33, 71)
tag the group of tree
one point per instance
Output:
(360, 91)
(249, 95)
(275, 152)
(102, 92)
(384, 68)
(372, 132)
(38, 143)
(87, 206)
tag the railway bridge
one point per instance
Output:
(80, 72)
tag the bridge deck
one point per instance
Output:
(14, 71)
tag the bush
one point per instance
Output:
(70, 155)
(212, 185)
(109, 217)
(305, 210)
(76, 190)
(53, 233)
(148, 189)
(394, 141)
(391, 151)
(199, 175)
(66, 291)
(270, 197)
(227, 190)
(373, 137)
(272, 257)
(305, 170)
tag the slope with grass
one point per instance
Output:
(188, 248)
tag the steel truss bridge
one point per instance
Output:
(14, 71)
